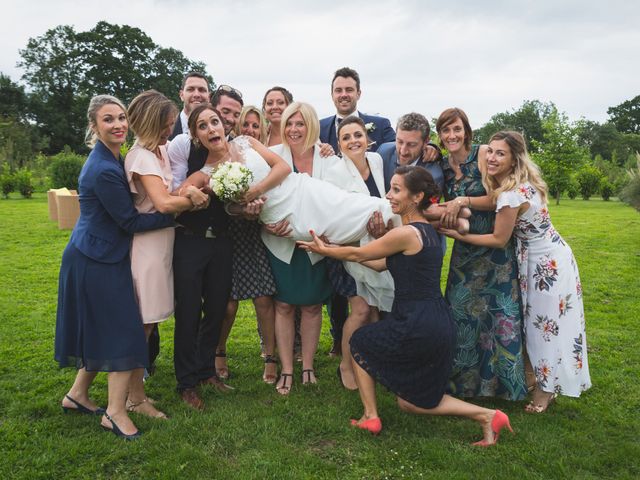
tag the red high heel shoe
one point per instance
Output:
(498, 422)
(374, 425)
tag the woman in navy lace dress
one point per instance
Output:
(410, 351)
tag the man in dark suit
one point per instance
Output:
(193, 92)
(411, 147)
(412, 138)
(345, 92)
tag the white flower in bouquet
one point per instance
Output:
(230, 181)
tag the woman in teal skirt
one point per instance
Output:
(301, 278)
(482, 287)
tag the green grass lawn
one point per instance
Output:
(255, 433)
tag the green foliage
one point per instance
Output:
(626, 116)
(606, 189)
(573, 188)
(65, 169)
(7, 181)
(588, 178)
(631, 191)
(528, 120)
(65, 68)
(24, 182)
(559, 154)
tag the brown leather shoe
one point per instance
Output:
(216, 383)
(190, 397)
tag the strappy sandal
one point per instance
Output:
(532, 407)
(222, 372)
(285, 388)
(268, 377)
(307, 373)
(134, 408)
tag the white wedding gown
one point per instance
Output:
(308, 203)
(311, 204)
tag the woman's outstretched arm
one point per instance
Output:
(279, 171)
(502, 230)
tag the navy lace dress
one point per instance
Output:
(411, 350)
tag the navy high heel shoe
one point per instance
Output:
(79, 408)
(119, 433)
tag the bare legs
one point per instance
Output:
(116, 409)
(266, 320)
(358, 317)
(285, 334)
(137, 400)
(80, 390)
(447, 406)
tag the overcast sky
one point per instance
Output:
(485, 57)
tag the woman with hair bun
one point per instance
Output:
(411, 350)
(98, 324)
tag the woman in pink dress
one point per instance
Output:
(151, 117)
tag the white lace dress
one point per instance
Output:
(554, 323)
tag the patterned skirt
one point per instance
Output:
(252, 275)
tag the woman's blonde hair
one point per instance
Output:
(263, 123)
(95, 104)
(310, 118)
(524, 170)
(148, 115)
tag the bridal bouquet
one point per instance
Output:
(230, 181)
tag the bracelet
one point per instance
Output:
(469, 202)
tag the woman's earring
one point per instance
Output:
(196, 142)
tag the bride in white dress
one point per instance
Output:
(305, 202)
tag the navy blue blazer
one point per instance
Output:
(108, 218)
(389, 156)
(381, 133)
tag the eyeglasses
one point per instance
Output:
(229, 89)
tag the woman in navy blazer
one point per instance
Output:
(98, 324)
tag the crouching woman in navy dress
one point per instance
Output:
(411, 350)
(98, 324)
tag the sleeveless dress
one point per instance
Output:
(151, 252)
(410, 351)
(552, 294)
(482, 289)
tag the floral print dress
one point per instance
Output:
(552, 295)
(482, 289)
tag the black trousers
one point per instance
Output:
(202, 284)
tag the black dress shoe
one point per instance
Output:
(216, 383)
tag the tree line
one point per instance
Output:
(42, 119)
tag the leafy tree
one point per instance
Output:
(589, 178)
(65, 68)
(605, 140)
(559, 153)
(19, 140)
(7, 181)
(626, 116)
(527, 120)
(65, 169)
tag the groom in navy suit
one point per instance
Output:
(345, 92)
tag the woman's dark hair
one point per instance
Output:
(418, 180)
(288, 96)
(358, 121)
(193, 118)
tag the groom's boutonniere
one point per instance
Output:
(370, 126)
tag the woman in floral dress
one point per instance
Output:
(482, 287)
(548, 274)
